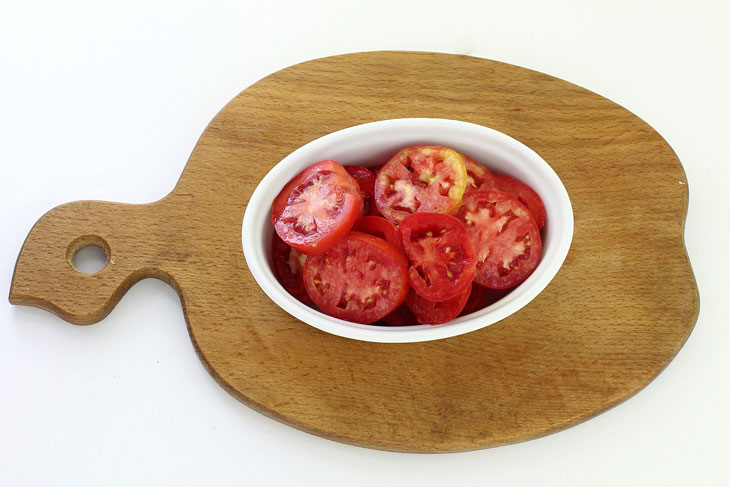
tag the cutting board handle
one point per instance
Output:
(137, 240)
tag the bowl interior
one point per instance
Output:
(375, 143)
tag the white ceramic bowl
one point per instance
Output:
(374, 143)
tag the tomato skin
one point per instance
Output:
(505, 237)
(442, 257)
(436, 312)
(379, 227)
(288, 266)
(317, 208)
(478, 177)
(361, 279)
(420, 178)
(525, 194)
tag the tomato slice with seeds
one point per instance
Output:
(288, 265)
(478, 177)
(361, 279)
(436, 312)
(317, 208)
(442, 257)
(525, 194)
(505, 237)
(380, 227)
(420, 178)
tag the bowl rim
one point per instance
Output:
(258, 212)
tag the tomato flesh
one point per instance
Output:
(442, 257)
(505, 237)
(420, 178)
(481, 297)
(361, 279)
(478, 177)
(402, 316)
(317, 208)
(524, 194)
(288, 266)
(436, 312)
(371, 208)
(376, 169)
(365, 180)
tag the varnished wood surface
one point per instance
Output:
(615, 315)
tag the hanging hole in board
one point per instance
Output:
(88, 254)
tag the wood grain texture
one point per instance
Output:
(618, 311)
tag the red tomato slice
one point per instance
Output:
(380, 227)
(365, 180)
(376, 169)
(420, 178)
(288, 266)
(317, 208)
(442, 257)
(371, 208)
(525, 194)
(400, 317)
(361, 279)
(436, 312)
(505, 237)
(481, 297)
(478, 177)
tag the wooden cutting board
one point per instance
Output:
(618, 311)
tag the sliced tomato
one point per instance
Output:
(380, 227)
(525, 194)
(505, 237)
(362, 278)
(371, 208)
(288, 266)
(436, 312)
(317, 208)
(365, 180)
(481, 297)
(400, 317)
(478, 177)
(442, 257)
(420, 178)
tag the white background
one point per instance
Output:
(107, 101)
